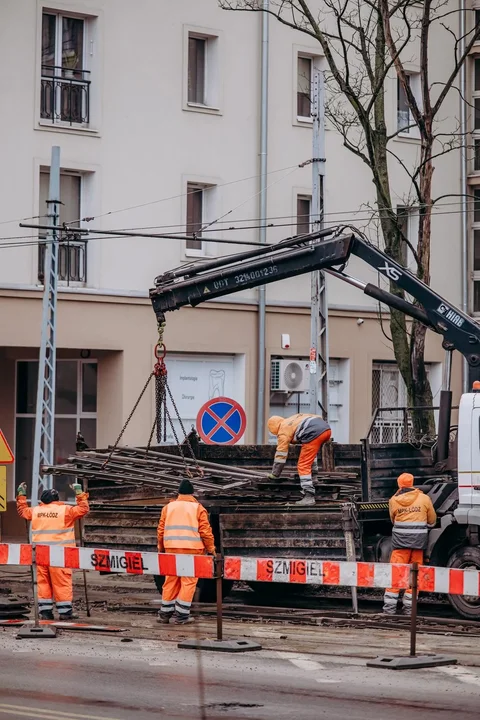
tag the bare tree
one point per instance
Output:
(367, 45)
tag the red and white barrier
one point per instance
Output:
(350, 574)
(114, 561)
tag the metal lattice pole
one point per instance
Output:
(45, 411)
(319, 310)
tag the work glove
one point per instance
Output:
(77, 488)
(272, 477)
(22, 489)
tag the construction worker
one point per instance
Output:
(311, 431)
(183, 529)
(412, 513)
(53, 523)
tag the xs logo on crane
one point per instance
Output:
(391, 272)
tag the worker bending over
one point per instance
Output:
(412, 513)
(183, 529)
(53, 523)
(311, 431)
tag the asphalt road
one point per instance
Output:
(91, 678)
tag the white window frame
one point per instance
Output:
(209, 203)
(412, 132)
(93, 19)
(213, 69)
(300, 51)
(303, 196)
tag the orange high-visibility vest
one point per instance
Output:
(181, 526)
(48, 525)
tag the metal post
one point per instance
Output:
(85, 586)
(447, 370)
(413, 624)
(348, 528)
(218, 575)
(319, 309)
(263, 223)
(45, 411)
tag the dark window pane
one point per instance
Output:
(303, 215)
(304, 87)
(24, 435)
(476, 206)
(476, 296)
(66, 388)
(477, 113)
(476, 249)
(476, 160)
(89, 387)
(194, 216)
(64, 445)
(477, 75)
(27, 378)
(477, 18)
(196, 70)
(88, 428)
(48, 44)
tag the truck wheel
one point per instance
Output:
(466, 558)
(206, 588)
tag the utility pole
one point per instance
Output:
(45, 411)
(319, 308)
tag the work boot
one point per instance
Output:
(46, 615)
(164, 618)
(308, 499)
(182, 620)
(68, 616)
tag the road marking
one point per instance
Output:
(460, 673)
(26, 711)
(305, 663)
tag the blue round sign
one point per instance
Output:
(221, 421)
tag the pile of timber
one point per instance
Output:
(134, 475)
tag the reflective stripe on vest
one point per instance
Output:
(181, 526)
(410, 535)
(48, 526)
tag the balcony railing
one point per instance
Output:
(72, 261)
(65, 95)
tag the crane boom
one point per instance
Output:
(323, 250)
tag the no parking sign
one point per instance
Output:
(221, 421)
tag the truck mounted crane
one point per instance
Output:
(455, 541)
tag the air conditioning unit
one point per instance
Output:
(289, 376)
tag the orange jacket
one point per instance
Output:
(47, 530)
(411, 512)
(189, 529)
(300, 428)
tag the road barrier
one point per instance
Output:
(282, 570)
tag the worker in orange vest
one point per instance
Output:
(311, 431)
(183, 529)
(53, 523)
(412, 513)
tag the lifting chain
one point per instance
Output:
(162, 413)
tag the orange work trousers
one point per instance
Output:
(307, 457)
(178, 592)
(405, 557)
(54, 584)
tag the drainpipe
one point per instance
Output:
(463, 179)
(263, 222)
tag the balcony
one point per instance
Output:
(65, 95)
(72, 262)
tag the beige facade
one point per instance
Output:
(135, 138)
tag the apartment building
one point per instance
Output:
(156, 106)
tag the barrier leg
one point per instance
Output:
(87, 602)
(219, 644)
(36, 630)
(396, 662)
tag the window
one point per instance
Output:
(196, 69)
(75, 411)
(199, 203)
(388, 393)
(304, 86)
(72, 252)
(476, 155)
(408, 224)
(65, 82)
(476, 248)
(203, 71)
(404, 119)
(303, 214)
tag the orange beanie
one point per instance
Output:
(405, 480)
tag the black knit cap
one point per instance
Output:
(186, 488)
(49, 496)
